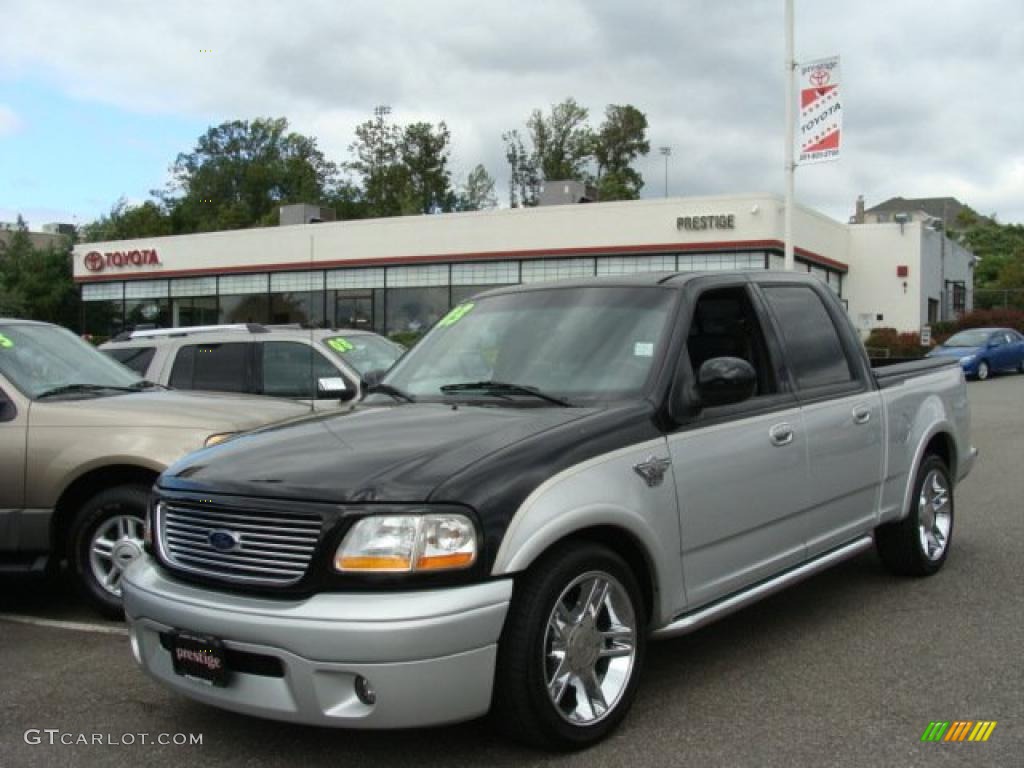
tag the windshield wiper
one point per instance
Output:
(68, 389)
(146, 384)
(387, 389)
(506, 388)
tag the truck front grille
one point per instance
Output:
(245, 546)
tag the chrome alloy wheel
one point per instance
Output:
(116, 543)
(934, 515)
(589, 648)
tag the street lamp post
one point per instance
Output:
(666, 152)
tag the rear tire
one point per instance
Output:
(105, 539)
(570, 654)
(918, 545)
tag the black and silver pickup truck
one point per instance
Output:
(555, 474)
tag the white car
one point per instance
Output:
(322, 367)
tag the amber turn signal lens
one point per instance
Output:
(356, 563)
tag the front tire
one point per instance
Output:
(919, 544)
(570, 655)
(983, 371)
(105, 539)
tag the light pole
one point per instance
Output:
(788, 262)
(666, 152)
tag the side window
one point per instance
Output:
(725, 324)
(136, 358)
(214, 367)
(813, 348)
(291, 369)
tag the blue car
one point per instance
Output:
(984, 351)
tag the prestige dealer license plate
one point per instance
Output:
(199, 656)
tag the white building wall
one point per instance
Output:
(943, 262)
(533, 232)
(872, 286)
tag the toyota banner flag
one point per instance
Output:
(821, 112)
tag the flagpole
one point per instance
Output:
(790, 129)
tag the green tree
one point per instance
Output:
(126, 222)
(999, 275)
(383, 177)
(402, 171)
(37, 282)
(562, 141)
(240, 172)
(620, 140)
(424, 151)
(524, 175)
(477, 193)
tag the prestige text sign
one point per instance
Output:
(712, 221)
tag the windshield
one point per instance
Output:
(365, 353)
(41, 358)
(572, 343)
(968, 339)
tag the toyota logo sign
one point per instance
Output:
(94, 261)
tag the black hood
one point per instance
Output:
(395, 453)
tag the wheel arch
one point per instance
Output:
(83, 488)
(939, 441)
(630, 544)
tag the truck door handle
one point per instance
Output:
(781, 434)
(861, 414)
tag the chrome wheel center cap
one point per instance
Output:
(584, 646)
(125, 552)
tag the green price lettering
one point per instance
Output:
(341, 345)
(5, 343)
(455, 315)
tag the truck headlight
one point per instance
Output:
(408, 543)
(218, 438)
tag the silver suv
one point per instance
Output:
(323, 368)
(81, 441)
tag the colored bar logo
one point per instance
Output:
(958, 730)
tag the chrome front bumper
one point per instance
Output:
(429, 656)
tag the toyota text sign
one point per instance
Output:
(821, 113)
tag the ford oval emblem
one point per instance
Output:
(224, 541)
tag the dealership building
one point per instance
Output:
(402, 274)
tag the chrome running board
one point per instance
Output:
(692, 621)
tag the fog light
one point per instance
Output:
(365, 691)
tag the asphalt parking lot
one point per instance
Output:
(846, 669)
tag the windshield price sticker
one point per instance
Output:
(5, 343)
(340, 344)
(643, 349)
(455, 315)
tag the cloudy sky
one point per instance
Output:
(96, 98)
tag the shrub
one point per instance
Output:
(895, 343)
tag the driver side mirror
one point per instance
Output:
(725, 381)
(7, 409)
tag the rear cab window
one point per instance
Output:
(213, 367)
(819, 362)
